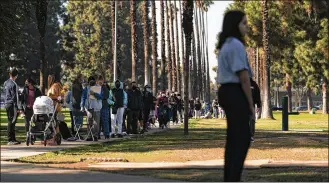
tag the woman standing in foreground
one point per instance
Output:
(234, 94)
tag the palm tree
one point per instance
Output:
(267, 110)
(154, 49)
(172, 44)
(188, 30)
(182, 37)
(169, 69)
(177, 50)
(163, 51)
(146, 41)
(198, 53)
(133, 39)
(113, 37)
(41, 14)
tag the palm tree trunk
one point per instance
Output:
(325, 97)
(113, 37)
(172, 45)
(133, 39)
(267, 109)
(146, 42)
(188, 30)
(257, 65)
(182, 39)
(198, 58)
(163, 51)
(178, 89)
(169, 69)
(41, 14)
(207, 54)
(194, 83)
(309, 99)
(154, 49)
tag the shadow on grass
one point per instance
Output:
(202, 138)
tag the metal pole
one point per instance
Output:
(115, 69)
(285, 113)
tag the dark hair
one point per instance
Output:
(91, 78)
(100, 77)
(92, 82)
(13, 72)
(231, 27)
(30, 80)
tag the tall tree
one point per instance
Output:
(154, 49)
(198, 53)
(41, 14)
(267, 108)
(188, 30)
(172, 45)
(133, 39)
(182, 38)
(169, 66)
(146, 42)
(177, 50)
(163, 51)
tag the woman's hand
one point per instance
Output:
(252, 109)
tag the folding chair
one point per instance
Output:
(90, 124)
(78, 126)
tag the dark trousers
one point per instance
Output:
(72, 122)
(12, 119)
(28, 115)
(133, 116)
(124, 119)
(146, 114)
(235, 104)
(174, 115)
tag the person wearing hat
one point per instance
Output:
(147, 105)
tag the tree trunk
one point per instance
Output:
(267, 108)
(163, 51)
(178, 89)
(133, 39)
(41, 14)
(188, 30)
(146, 42)
(198, 87)
(113, 38)
(207, 54)
(172, 45)
(288, 88)
(194, 73)
(182, 43)
(169, 69)
(154, 49)
(257, 66)
(309, 100)
(324, 98)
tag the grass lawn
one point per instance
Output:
(20, 126)
(206, 141)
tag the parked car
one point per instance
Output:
(301, 108)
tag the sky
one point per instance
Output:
(215, 18)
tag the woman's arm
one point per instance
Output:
(245, 82)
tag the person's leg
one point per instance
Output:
(146, 114)
(238, 132)
(129, 122)
(28, 115)
(10, 109)
(135, 116)
(119, 119)
(175, 115)
(113, 123)
(105, 120)
(96, 121)
(72, 121)
(90, 122)
(124, 119)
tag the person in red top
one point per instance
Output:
(30, 93)
(163, 114)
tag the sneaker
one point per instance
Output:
(95, 139)
(142, 132)
(252, 139)
(120, 136)
(112, 136)
(99, 137)
(124, 133)
(90, 139)
(107, 137)
(13, 143)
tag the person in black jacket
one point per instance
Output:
(30, 93)
(77, 107)
(105, 111)
(118, 108)
(12, 105)
(257, 102)
(180, 107)
(147, 105)
(134, 107)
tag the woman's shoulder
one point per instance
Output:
(234, 42)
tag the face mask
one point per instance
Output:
(134, 87)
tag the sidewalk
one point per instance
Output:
(208, 164)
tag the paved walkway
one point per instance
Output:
(16, 172)
(208, 164)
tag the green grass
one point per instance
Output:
(206, 141)
(20, 126)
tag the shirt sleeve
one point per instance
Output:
(238, 61)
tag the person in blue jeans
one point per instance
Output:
(105, 111)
